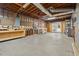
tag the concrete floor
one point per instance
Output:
(50, 44)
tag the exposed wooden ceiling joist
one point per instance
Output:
(29, 9)
(18, 4)
(35, 11)
(59, 5)
(42, 9)
(25, 5)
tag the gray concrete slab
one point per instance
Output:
(49, 44)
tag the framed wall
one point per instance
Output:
(7, 17)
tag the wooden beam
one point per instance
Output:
(30, 8)
(18, 4)
(32, 14)
(42, 9)
(36, 11)
(33, 10)
(22, 7)
(25, 5)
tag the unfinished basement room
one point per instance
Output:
(39, 29)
